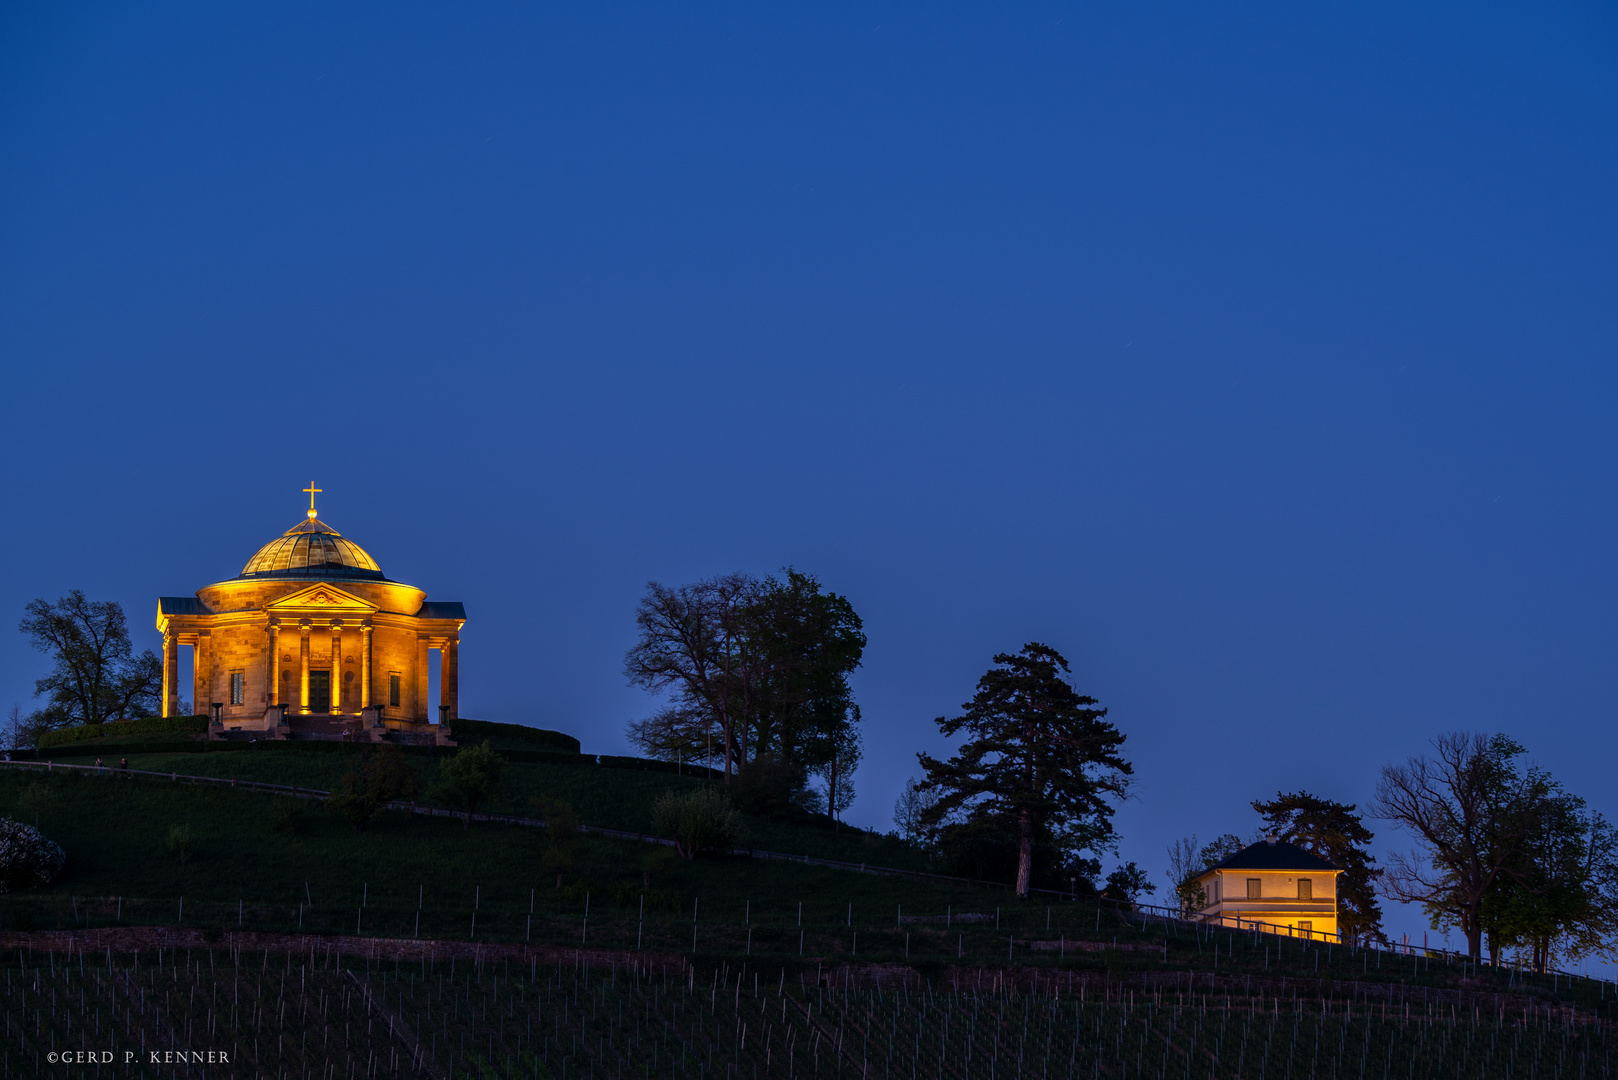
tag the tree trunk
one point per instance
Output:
(831, 794)
(1025, 852)
(466, 822)
(1474, 941)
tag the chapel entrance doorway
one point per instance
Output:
(320, 691)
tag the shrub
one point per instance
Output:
(379, 776)
(27, 859)
(770, 786)
(562, 826)
(697, 821)
(181, 843)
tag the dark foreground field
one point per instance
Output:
(311, 1014)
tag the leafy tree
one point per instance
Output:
(378, 777)
(807, 643)
(838, 769)
(96, 675)
(1472, 811)
(1040, 761)
(1128, 882)
(771, 786)
(1336, 833)
(470, 779)
(697, 821)
(694, 641)
(756, 666)
(1560, 898)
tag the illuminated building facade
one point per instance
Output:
(312, 639)
(1280, 887)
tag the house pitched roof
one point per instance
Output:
(1265, 855)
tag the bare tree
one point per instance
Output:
(96, 674)
(694, 640)
(1471, 812)
(1183, 861)
(909, 811)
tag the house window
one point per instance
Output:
(237, 688)
(1306, 928)
(1252, 888)
(393, 691)
(1306, 889)
(1216, 891)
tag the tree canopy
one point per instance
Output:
(470, 779)
(1041, 764)
(753, 667)
(1501, 849)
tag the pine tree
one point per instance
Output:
(1041, 761)
(1335, 832)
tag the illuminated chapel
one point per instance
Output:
(311, 640)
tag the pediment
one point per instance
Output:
(322, 598)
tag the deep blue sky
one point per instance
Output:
(1258, 358)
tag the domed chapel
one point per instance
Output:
(311, 640)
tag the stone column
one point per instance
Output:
(365, 666)
(273, 694)
(449, 681)
(303, 658)
(336, 665)
(171, 675)
(202, 676)
(421, 707)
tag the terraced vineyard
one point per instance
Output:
(285, 1015)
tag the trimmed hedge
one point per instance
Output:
(334, 746)
(476, 730)
(150, 725)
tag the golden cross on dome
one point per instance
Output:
(312, 490)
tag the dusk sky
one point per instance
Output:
(1259, 358)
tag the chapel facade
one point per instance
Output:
(312, 639)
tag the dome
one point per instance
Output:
(312, 549)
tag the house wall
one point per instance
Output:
(1278, 904)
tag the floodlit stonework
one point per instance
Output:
(311, 639)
